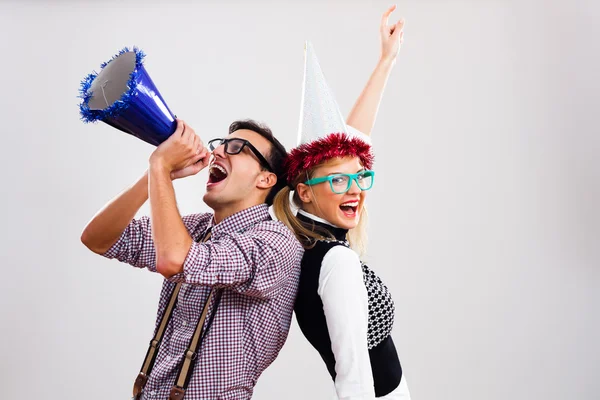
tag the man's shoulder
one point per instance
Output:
(197, 221)
(200, 217)
(272, 225)
(276, 227)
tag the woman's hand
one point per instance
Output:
(391, 36)
(363, 114)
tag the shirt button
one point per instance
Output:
(184, 323)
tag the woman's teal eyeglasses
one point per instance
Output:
(341, 183)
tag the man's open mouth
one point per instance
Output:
(216, 173)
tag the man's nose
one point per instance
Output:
(219, 151)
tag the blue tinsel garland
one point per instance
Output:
(118, 106)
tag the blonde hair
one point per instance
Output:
(307, 234)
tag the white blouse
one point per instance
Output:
(346, 306)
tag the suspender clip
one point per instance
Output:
(139, 384)
(190, 355)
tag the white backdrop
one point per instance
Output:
(484, 216)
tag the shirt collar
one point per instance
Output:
(339, 233)
(241, 220)
(315, 218)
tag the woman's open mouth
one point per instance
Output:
(349, 208)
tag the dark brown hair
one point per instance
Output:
(276, 156)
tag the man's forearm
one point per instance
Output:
(171, 238)
(108, 224)
(364, 111)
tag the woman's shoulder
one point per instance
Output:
(331, 248)
(340, 267)
(340, 256)
(325, 255)
(337, 250)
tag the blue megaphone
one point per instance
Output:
(123, 96)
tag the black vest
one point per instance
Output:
(385, 364)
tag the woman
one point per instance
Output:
(342, 307)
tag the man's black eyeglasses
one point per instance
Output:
(235, 146)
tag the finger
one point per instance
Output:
(185, 136)
(192, 134)
(180, 173)
(193, 141)
(397, 28)
(204, 158)
(385, 16)
(190, 161)
(194, 146)
(197, 144)
(180, 128)
(196, 159)
(198, 154)
(183, 172)
(195, 168)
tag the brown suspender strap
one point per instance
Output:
(190, 353)
(142, 377)
(152, 352)
(178, 390)
(187, 366)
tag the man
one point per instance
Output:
(251, 260)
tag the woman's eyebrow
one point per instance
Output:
(345, 173)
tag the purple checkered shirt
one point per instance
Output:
(257, 263)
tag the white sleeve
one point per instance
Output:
(346, 308)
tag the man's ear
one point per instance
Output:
(266, 180)
(304, 193)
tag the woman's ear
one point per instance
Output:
(304, 193)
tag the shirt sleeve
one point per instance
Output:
(346, 307)
(136, 247)
(256, 263)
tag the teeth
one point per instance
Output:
(350, 204)
(217, 166)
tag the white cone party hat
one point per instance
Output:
(323, 133)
